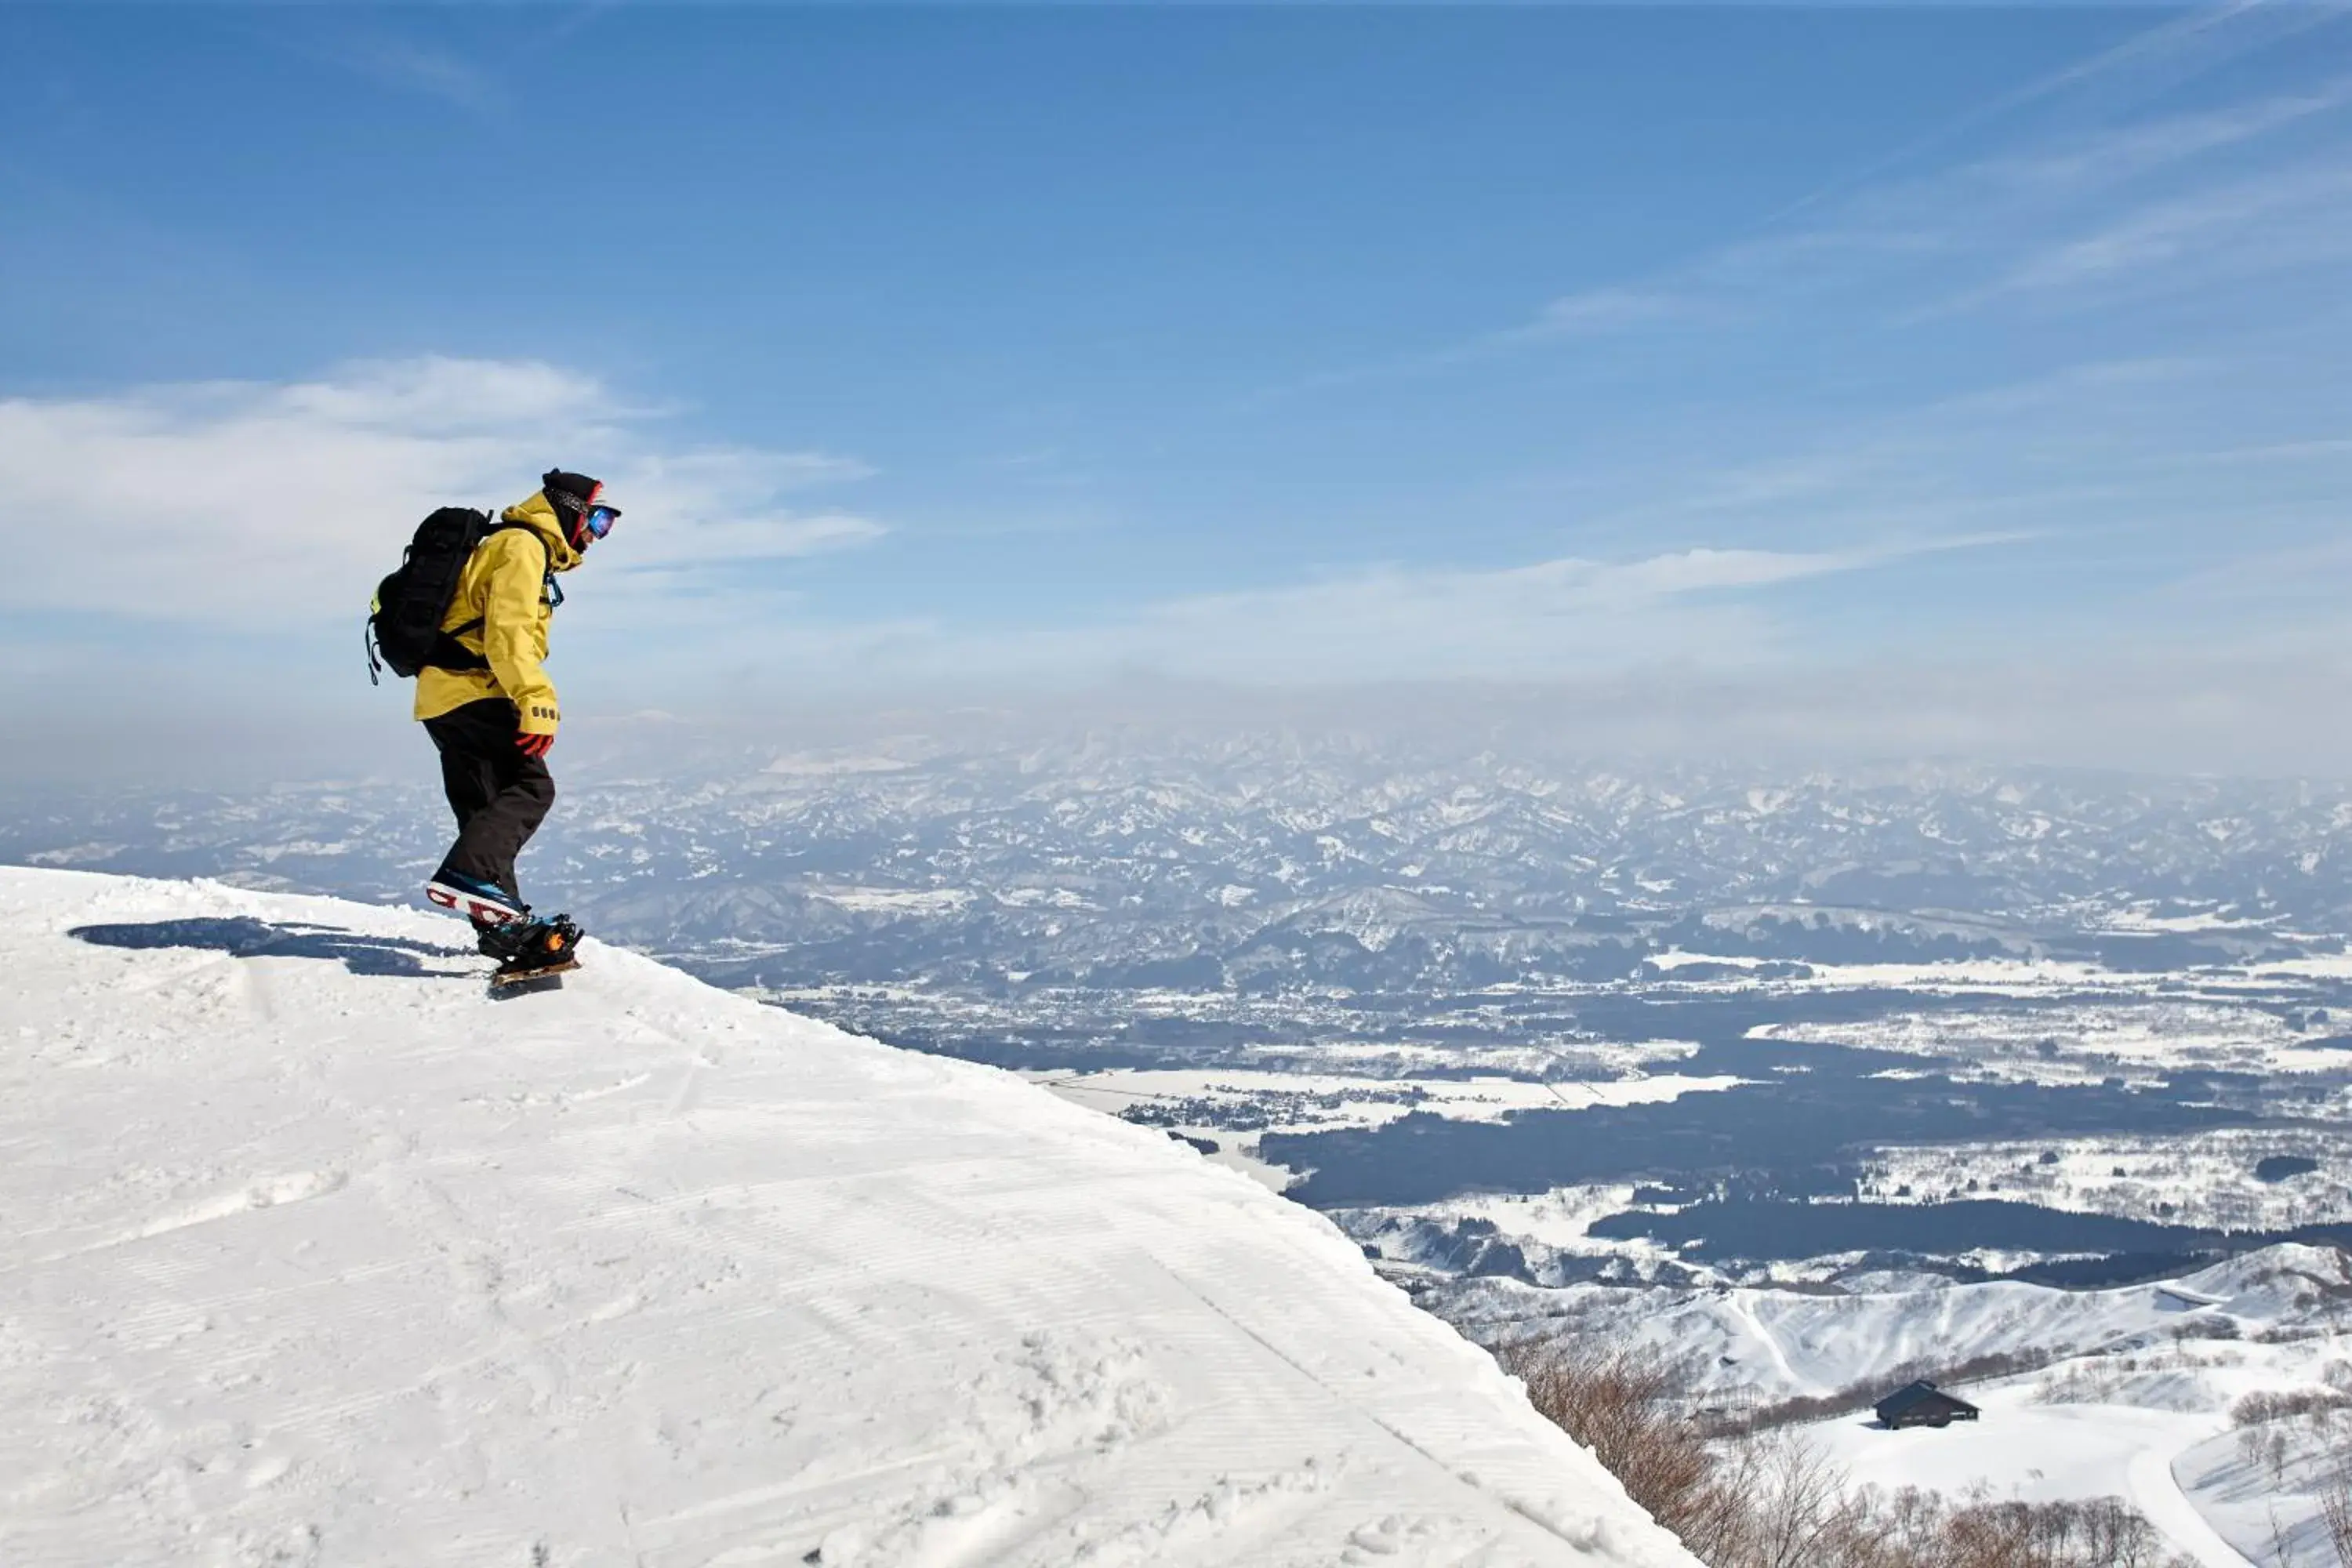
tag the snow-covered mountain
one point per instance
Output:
(319, 1256)
(1261, 860)
(1770, 1344)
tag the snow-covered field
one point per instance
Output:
(2209, 1179)
(2024, 977)
(2130, 1391)
(2159, 1436)
(1584, 1059)
(1558, 1218)
(1233, 1109)
(2027, 1451)
(320, 1257)
(2062, 1044)
(893, 900)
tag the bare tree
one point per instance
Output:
(1626, 1405)
(1801, 1506)
(2336, 1512)
(1773, 1500)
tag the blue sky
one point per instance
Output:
(1893, 377)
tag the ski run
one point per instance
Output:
(319, 1256)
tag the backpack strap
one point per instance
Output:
(448, 653)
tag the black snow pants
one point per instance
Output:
(499, 795)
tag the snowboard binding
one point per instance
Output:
(530, 952)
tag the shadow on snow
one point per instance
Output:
(244, 937)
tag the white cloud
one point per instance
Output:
(1608, 310)
(1552, 616)
(273, 507)
(715, 507)
(2009, 223)
(401, 63)
(2268, 224)
(1569, 616)
(386, 59)
(2139, 149)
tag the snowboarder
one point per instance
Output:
(492, 713)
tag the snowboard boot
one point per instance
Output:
(531, 949)
(483, 903)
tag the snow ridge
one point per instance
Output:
(323, 1257)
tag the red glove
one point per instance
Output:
(535, 745)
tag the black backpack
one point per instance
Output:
(404, 623)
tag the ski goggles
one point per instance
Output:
(598, 521)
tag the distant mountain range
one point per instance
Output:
(1272, 860)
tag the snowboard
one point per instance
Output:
(531, 981)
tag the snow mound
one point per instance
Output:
(2290, 1283)
(320, 1255)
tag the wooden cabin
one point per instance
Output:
(1922, 1404)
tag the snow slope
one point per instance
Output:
(318, 1255)
(2272, 1515)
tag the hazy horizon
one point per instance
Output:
(1730, 731)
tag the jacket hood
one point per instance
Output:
(538, 515)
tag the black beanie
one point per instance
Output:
(568, 493)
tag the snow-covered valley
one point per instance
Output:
(2149, 1392)
(320, 1257)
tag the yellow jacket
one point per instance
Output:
(500, 611)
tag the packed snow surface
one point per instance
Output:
(319, 1256)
